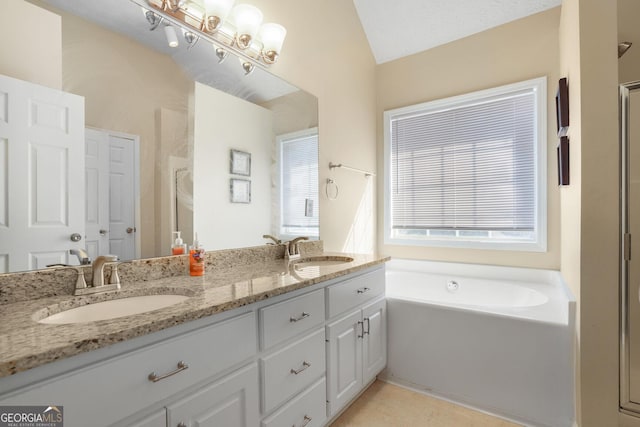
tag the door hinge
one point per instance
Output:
(627, 247)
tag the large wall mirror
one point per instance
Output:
(189, 144)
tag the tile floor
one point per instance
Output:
(387, 405)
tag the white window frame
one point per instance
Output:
(539, 242)
(279, 141)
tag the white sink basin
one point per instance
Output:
(113, 309)
(321, 261)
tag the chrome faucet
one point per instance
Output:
(97, 271)
(292, 249)
(276, 241)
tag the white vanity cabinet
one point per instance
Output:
(116, 388)
(356, 337)
(294, 365)
(292, 360)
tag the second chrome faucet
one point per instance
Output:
(97, 273)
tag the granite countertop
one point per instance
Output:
(26, 344)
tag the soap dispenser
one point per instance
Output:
(196, 259)
(178, 247)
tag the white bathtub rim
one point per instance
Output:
(559, 309)
(522, 275)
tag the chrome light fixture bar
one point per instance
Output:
(238, 30)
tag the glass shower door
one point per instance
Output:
(630, 261)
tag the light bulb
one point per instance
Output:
(216, 11)
(247, 19)
(272, 37)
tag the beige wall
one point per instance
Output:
(590, 206)
(30, 44)
(327, 54)
(219, 223)
(517, 51)
(570, 212)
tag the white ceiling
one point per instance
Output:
(403, 27)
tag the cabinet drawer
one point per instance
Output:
(123, 381)
(291, 369)
(289, 318)
(309, 407)
(353, 292)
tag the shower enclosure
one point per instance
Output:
(630, 261)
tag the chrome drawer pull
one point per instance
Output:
(305, 365)
(363, 290)
(307, 420)
(155, 378)
(366, 319)
(362, 326)
(304, 315)
(181, 424)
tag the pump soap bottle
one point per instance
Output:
(196, 259)
(178, 247)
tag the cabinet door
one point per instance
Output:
(232, 401)
(374, 345)
(344, 370)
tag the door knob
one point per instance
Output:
(75, 237)
(131, 230)
(103, 232)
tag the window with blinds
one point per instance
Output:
(299, 184)
(469, 170)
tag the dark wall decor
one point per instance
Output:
(562, 121)
(562, 107)
(563, 161)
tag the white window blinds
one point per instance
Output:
(465, 168)
(299, 179)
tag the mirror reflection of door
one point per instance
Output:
(41, 167)
(630, 343)
(112, 193)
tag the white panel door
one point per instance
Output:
(122, 228)
(344, 370)
(41, 175)
(374, 345)
(97, 192)
(111, 179)
(232, 402)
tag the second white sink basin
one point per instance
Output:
(113, 309)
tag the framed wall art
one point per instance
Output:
(240, 190)
(240, 163)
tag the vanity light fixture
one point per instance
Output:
(247, 19)
(238, 29)
(152, 18)
(216, 11)
(248, 67)
(190, 37)
(221, 54)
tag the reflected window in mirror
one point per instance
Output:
(298, 171)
